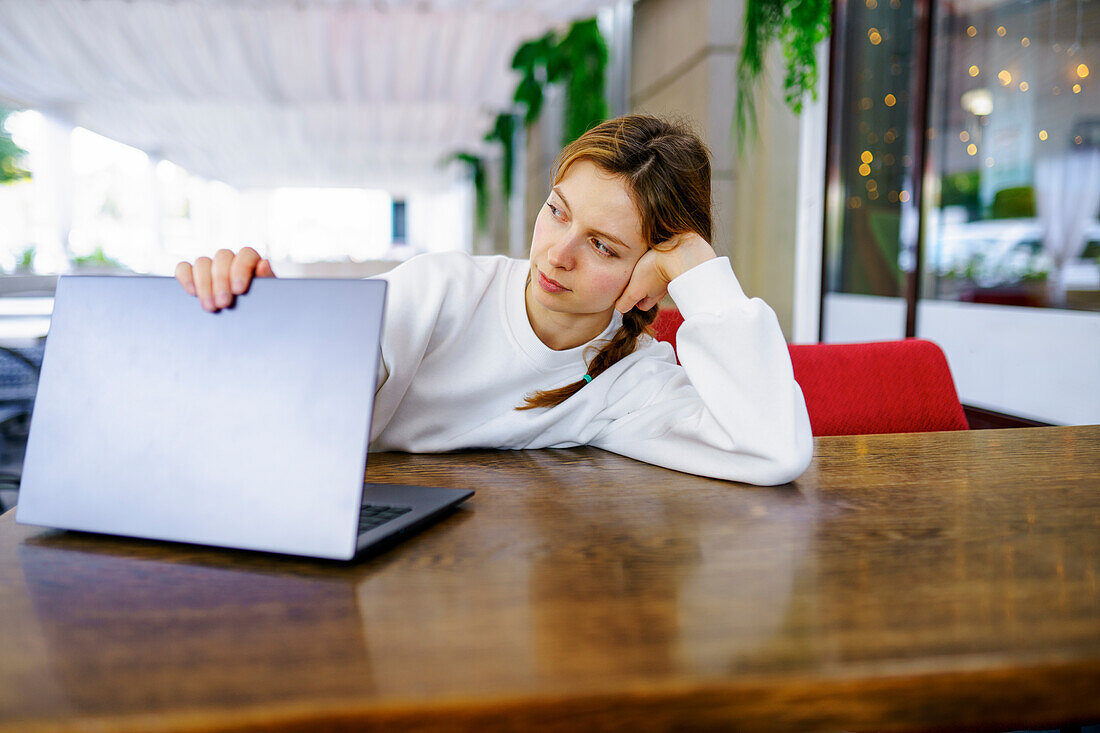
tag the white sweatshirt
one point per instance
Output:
(459, 355)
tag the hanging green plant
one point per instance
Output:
(798, 26)
(579, 61)
(584, 59)
(533, 60)
(10, 153)
(476, 167)
(504, 132)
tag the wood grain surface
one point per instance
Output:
(924, 581)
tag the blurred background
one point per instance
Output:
(928, 168)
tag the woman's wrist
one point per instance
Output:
(690, 251)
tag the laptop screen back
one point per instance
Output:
(246, 428)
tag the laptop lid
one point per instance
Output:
(245, 428)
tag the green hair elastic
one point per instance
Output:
(587, 378)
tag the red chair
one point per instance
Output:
(856, 389)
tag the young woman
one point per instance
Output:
(491, 352)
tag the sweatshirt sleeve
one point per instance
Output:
(733, 410)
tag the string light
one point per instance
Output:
(1078, 140)
(1082, 71)
(1076, 88)
(877, 36)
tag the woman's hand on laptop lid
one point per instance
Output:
(217, 281)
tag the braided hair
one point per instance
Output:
(667, 171)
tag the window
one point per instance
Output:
(1015, 155)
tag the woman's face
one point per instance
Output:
(587, 239)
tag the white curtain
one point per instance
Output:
(282, 92)
(1067, 188)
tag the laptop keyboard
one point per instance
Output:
(375, 515)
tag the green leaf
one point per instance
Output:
(532, 54)
(529, 94)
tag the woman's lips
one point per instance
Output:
(549, 285)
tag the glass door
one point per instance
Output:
(964, 193)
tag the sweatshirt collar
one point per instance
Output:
(541, 355)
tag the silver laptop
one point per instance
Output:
(246, 428)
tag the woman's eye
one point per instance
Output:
(553, 209)
(602, 248)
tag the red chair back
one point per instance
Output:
(882, 387)
(856, 389)
(667, 324)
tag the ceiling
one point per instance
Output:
(262, 93)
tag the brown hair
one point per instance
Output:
(667, 170)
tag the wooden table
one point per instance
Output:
(907, 581)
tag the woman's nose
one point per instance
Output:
(563, 253)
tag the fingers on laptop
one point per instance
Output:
(246, 265)
(203, 290)
(219, 278)
(216, 281)
(185, 277)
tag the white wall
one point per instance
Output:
(1038, 363)
(856, 318)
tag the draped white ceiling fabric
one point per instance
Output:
(262, 93)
